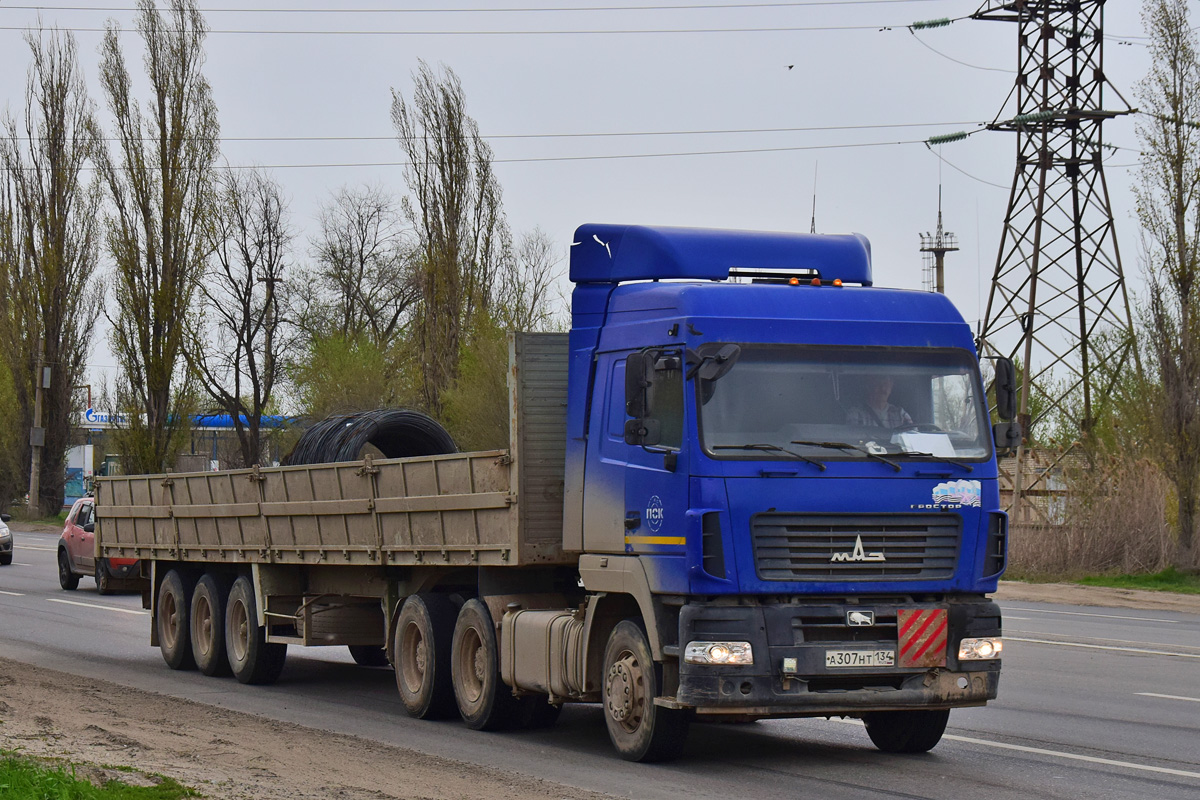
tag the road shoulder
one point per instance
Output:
(1076, 595)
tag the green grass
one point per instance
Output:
(26, 779)
(1169, 580)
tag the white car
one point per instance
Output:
(6, 541)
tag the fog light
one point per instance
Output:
(984, 649)
(718, 653)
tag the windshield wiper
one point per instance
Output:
(770, 448)
(950, 461)
(852, 448)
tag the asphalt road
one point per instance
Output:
(1094, 703)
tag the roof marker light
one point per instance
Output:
(794, 281)
(816, 281)
(837, 281)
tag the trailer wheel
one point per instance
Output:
(208, 627)
(484, 701)
(906, 731)
(171, 616)
(423, 634)
(253, 659)
(639, 730)
(66, 578)
(102, 578)
(368, 655)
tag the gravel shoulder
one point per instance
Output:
(226, 754)
(1076, 595)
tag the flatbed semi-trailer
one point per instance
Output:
(694, 518)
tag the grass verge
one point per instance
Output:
(27, 779)
(1169, 580)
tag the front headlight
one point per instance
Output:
(719, 653)
(984, 649)
(5, 533)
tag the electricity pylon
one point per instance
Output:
(1058, 287)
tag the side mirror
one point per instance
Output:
(89, 528)
(1007, 436)
(644, 431)
(1006, 390)
(4, 517)
(636, 384)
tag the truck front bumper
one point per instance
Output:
(791, 675)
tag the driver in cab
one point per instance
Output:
(876, 410)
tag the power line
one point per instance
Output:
(604, 134)
(577, 32)
(478, 10)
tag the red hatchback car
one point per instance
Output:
(77, 554)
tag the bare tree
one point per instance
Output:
(1168, 205)
(159, 185)
(361, 283)
(457, 212)
(526, 297)
(237, 348)
(51, 248)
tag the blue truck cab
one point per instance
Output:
(792, 471)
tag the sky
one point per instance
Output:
(664, 112)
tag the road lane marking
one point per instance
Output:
(1168, 696)
(1085, 614)
(1105, 647)
(22, 564)
(35, 547)
(1074, 756)
(1119, 641)
(94, 605)
(11, 594)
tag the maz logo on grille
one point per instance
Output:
(857, 554)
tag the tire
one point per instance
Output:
(252, 658)
(102, 578)
(67, 579)
(484, 701)
(208, 627)
(368, 655)
(5, 559)
(639, 730)
(906, 731)
(421, 649)
(171, 615)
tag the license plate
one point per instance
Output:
(860, 658)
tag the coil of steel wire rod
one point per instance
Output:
(396, 432)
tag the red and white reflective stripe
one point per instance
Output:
(922, 637)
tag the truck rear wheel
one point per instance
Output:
(171, 618)
(252, 658)
(484, 701)
(208, 627)
(102, 578)
(421, 647)
(906, 731)
(639, 730)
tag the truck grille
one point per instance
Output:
(826, 547)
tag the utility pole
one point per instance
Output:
(37, 434)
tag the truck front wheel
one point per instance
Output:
(639, 730)
(421, 648)
(171, 615)
(906, 731)
(484, 701)
(208, 627)
(252, 658)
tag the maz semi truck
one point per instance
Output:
(747, 484)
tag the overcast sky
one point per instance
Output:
(667, 112)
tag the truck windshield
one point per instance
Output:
(846, 403)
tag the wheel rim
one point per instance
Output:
(625, 692)
(414, 657)
(239, 623)
(472, 663)
(203, 619)
(169, 614)
(64, 569)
